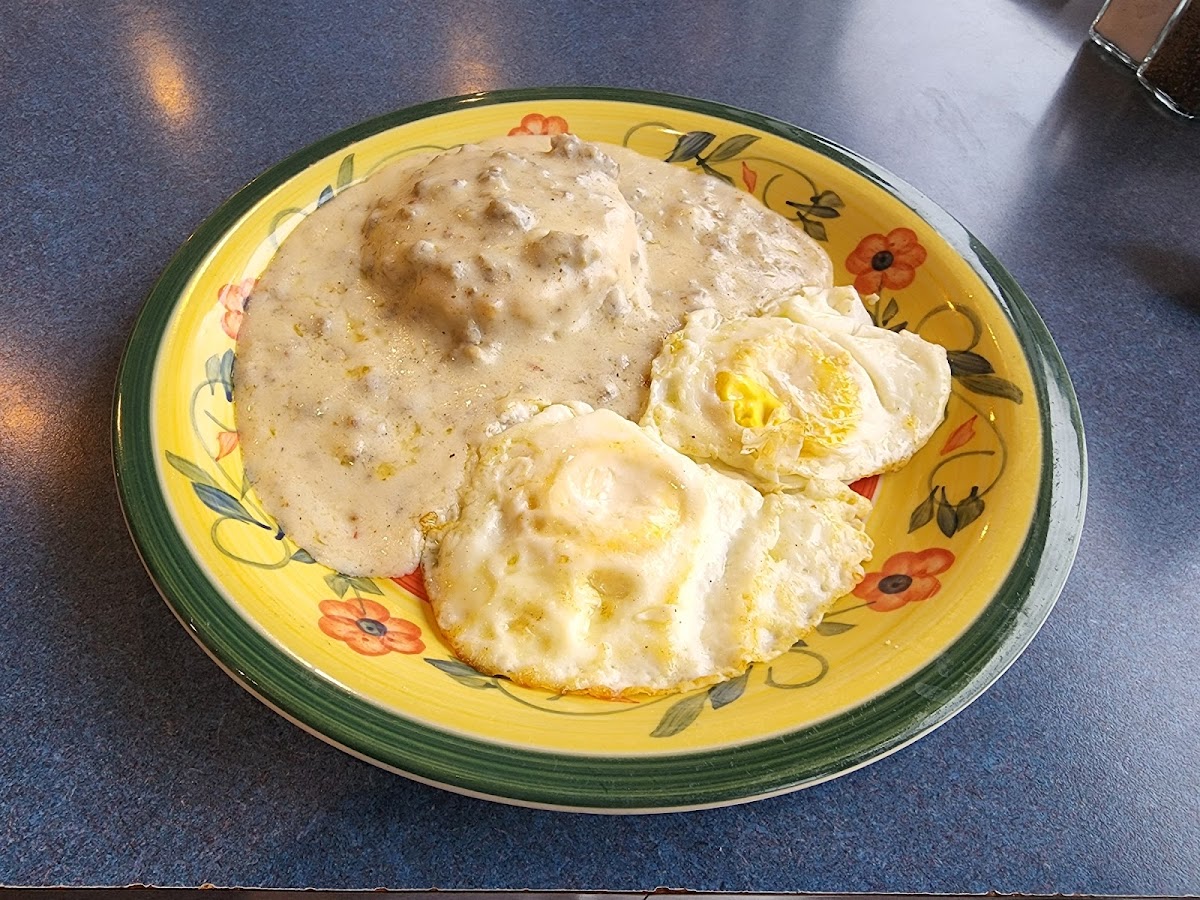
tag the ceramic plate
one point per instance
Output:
(973, 538)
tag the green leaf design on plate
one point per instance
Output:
(828, 198)
(969, 510)
(338, 583)
(967, 362)
(947, 516)
(462, 673)
(993, 386)
(212, 370)
(923, 513)
(225, 504)
(889, 311)
(731, 147)
(690, 145)
(680, 715)
(815, 230)
(823, 212)
(280, 216)
(345, 171)
(325, 196)
(829, 629)
(727, 691)
(225, 373)
(365, 585)
(303, 556)
(190, 470)
(454, 667)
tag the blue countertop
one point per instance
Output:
(126, 756)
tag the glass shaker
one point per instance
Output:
(1172, 67)
(1129, 28)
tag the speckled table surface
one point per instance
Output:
(128, 757)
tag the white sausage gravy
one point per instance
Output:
(399, 321)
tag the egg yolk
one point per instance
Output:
(753, 403)
(823, 420)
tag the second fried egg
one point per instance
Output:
(808, 389)
(589, 556)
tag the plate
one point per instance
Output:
(973, 538)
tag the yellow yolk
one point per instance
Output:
(819, 426)
(753, 403)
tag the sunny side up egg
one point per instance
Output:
(810, 388)
(589, 556)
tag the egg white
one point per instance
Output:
(589, 556)
(810, 388)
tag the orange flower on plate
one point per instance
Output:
(886, 261)
(368, 628)
(233, 297)
(905, 578)
(535, 123)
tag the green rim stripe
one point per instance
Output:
(687, 780)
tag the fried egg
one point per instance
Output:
(809, 388)
(589, 556)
